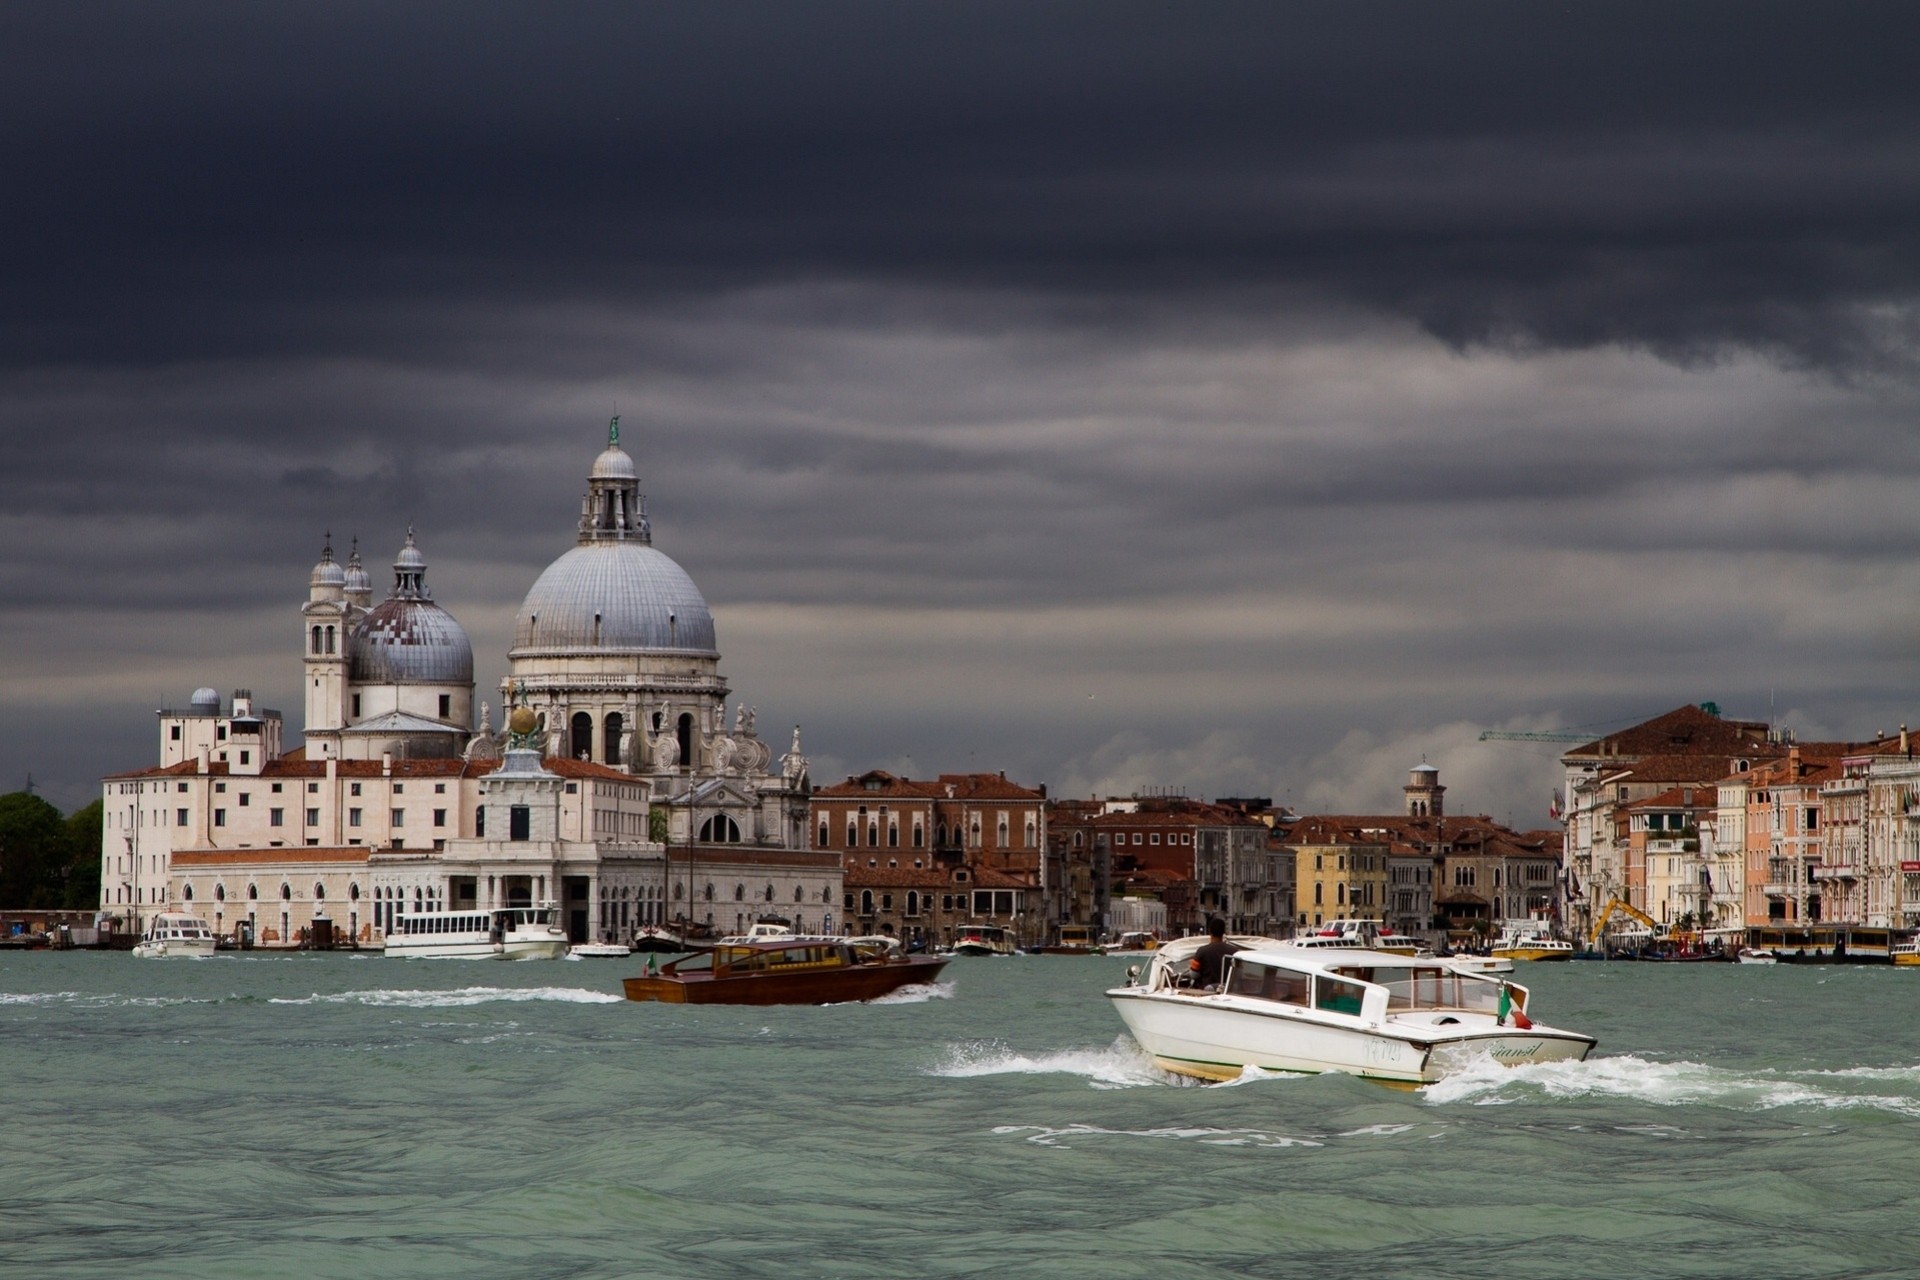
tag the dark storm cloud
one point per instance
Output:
(188, 180)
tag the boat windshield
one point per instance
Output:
(1429, 987)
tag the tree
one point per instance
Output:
(33, 838)
(79, 887)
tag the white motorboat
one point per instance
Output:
(1480, 964)
(175, 933)
(1759, 955)
(599, 951)
(983, 940)
(1400, 1019)
(504, 933)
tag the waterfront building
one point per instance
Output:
(1688, 746)
(1199, 860)
(637, 804)
(927, 857)
(1676, 864)
(1446, 878)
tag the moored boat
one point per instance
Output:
(175, 933)
(658, 938)
(599, 950)
(1758, 955)
(809, 971)
(1905, 953)
(1406, 1020)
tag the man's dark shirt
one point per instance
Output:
(1213, 962)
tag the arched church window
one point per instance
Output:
(799, 894)
(329, 639)
(187, 892)
(769, 893)
(611, 730)
(709, 891)
(873, 835)
(685, 735)
(220, 893)
(893, 835)
(286, 891)
(739, 893)
(823, 833)
(319, 891)
(582, 745)
(316, 639)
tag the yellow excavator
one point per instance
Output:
(1627, 908)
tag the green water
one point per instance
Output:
(249, 1115)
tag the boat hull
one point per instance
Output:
(1202, 1037)
(174, 948)
(839, 985)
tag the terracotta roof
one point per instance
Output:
(1684, 730)
(964, 786)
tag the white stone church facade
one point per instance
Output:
(650, 807)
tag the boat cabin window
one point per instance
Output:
(1337, 996)
(1265, 982)
(1430, 988)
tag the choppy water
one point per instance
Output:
(324, 1116)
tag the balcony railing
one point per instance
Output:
(1838, 871)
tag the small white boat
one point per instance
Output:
(1759, 955)
(983, 940)
(504, 933)
(1406, 1020)
(882, 943)
(1480, 964)
(175, 933)
(599, 951)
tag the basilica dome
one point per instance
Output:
(407, 638)
(618, 596)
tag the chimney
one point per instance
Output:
(1904, 748)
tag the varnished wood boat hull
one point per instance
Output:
(841, 985)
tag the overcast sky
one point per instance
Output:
(1236, 398)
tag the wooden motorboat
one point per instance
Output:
(800, 971)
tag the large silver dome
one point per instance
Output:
(619, 596)
(409, 641)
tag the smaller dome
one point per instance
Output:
(328, 572)
(409, 560)
(206, 699)
(614, 463)
(358, 579)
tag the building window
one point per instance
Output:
(353, 788)
(446, 706)
(175, 734)
(313, 817)
(276, 817)
(219, 817)
(353, 817)
(520, 823)
(1154, 838)
(399, 818)
(439, 817)
(480, 822)
(823, 835)
(612, 730)
(356, 706)
(245, 799)
(179, 817)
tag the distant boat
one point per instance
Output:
(174, 933)
(504, 933)
(983, 940)
(599, 950)
(814, 971)
(1757, 955)
(660, 939)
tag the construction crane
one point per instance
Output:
(1510, 735)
